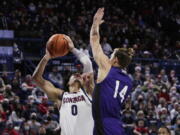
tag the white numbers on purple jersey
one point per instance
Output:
(116, 88)
(122, 92)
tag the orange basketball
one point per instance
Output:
(57, 45)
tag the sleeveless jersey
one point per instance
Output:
(76, 114)
(108, 97)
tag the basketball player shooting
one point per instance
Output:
(76, 110)
(113, 84)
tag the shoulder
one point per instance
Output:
(84, 92)
(103, 73)
(127, 77)
(86, 95)
(110, 72)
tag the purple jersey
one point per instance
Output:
(108, 97)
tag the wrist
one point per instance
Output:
(46, 57)
(96, 23)
(75, 51)
(71, 49)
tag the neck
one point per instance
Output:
(116, 65)
(123, 70)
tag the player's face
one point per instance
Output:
(163, 131)
(75, 77)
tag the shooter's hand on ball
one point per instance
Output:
(70, 42)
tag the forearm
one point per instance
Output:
(94, 34)
(87, 69)
(40, 69)
(84, 59)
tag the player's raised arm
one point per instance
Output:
(101, 59)
(88, 74)
(52, 92)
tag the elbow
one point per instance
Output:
(86, 61)
(91, 42)
(36, 78)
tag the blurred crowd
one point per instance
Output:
(150, 27)
(24, 108)
(154, 102)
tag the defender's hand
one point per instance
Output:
(98, 16)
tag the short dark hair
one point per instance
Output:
(124, 56)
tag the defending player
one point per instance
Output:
(113, 84)
(76, 110)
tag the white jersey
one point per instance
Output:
(76, 114)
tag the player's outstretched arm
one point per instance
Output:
(88, 74)
(52, 92)
(101, 59)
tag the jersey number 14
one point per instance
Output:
(122, 93)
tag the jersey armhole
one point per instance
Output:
(99, 82)
(90, 100)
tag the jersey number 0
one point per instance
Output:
(122, 93)
(74, 110)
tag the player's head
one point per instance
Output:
(75, 80)
(122, 57)
(164, 131)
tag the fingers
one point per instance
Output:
(101, 11)
(67, 38)
(70, 42)
(99, 15)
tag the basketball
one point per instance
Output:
(57, 45)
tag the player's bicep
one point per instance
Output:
(52, 92)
